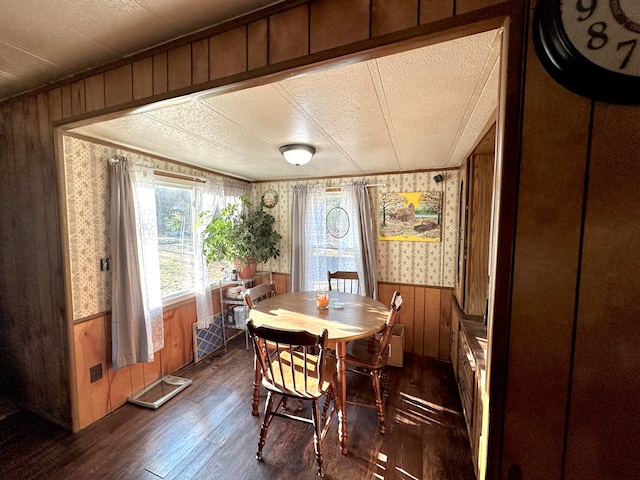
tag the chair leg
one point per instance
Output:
(256, 388)
(325, 407)
(375, 377)
(317, 436)
(265, 424)
(385, 387)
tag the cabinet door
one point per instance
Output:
(455, 334)
(461, 269)
(478, 227)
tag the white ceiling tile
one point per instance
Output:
(421, 109)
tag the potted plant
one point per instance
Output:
(242, 235)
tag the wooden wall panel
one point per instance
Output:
(179, 67)
(479, 222)
(152, 371)
(431, 333)
(200, 61)
(289, 34)
(605, 381)
(142, 78)
(65, 91)
(444, 352)
(137, 377)
(329, 25)
(257, 44)
(432, 10)
(550, 195)
(78, 105)
(55, 104)
(167, 350)
(407, 315)
(23, 315)
(178, 348)
(465, 6)
(418, 329)
(160, 73)
(228, 53)
(392, 15)
(119, 387)
(89, 339)
(118, 85)
(282, 282)
(94, 92)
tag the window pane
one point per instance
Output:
(175, 241)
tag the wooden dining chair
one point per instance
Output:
(369, 356)
(343, 281)
(296, 364)
(251, 297)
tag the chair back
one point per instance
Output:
(292, 362)
(342, 281)
(392, 319)
(258, 293)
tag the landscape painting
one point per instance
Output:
(412, 217)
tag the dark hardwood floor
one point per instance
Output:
(207, 432)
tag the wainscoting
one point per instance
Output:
(426, 315)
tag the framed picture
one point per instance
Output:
(411, 217)
(270, 198)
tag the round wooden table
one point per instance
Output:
(361, 316)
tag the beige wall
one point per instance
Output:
(87, 209)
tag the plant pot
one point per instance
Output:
(246, 272)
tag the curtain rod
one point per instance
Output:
(342, 185)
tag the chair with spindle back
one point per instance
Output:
(369, 356)
(251, 297)
(295, 364)
(343, 281)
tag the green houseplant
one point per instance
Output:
(242, 235)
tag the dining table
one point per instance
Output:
(348, 317)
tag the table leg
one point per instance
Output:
(341, 351)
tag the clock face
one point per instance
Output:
(591, 47)
(605, 32)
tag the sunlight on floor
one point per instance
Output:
(417, 411)
(406, 473)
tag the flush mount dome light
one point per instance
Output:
(297, 153)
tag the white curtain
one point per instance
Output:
(314, 250)
(136, 312)
(209, 199)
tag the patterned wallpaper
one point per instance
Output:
(87, 198)
(423, 263)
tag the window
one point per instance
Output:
(175, 217)
(331, 239)
(175, 212)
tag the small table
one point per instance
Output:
(361, 316)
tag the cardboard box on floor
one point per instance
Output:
(396, 346)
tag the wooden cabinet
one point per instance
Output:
(468, 354)
(475, 191)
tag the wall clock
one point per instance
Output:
(591, 47)
(270, 198)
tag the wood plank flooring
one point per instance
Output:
(207, 432)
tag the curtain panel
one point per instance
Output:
(136, 312)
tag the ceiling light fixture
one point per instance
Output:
(297, 153)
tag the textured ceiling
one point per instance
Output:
(42, 41)
(420, 109)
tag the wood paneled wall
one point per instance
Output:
(92, 341)
(36, 337)
(564, 341)
(425, 313)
